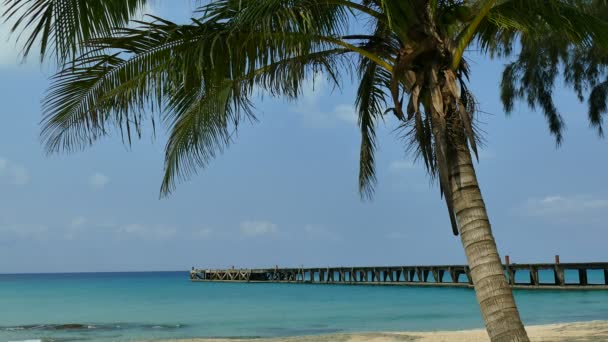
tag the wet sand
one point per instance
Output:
(568, 332)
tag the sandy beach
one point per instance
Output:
(570, 332)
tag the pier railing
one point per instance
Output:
(436, 275)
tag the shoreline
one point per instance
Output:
(589, 331)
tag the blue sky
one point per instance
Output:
(286, 192)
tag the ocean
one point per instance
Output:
(160, 305)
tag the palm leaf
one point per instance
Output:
(370, 104)
(61, 27)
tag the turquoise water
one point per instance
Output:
(148, 306)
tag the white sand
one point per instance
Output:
(571, 332)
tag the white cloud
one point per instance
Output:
(314, 231)
(24, 231)
(11, 47)
(401, 165)
(346, 113)
(203, 233)
(133, 228)
(566, 207)
(13, 173)
(258, 228)
(75, 227)
(311, 109)
(154, 232)
(9, 52)
(78, 221)
(81, 227)
(99, 180)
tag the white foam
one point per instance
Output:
(27, 341)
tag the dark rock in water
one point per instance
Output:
(70, 326)
(89, 326)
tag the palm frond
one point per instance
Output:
(532, 78)
(98, 91)
(598, 106)
(200, 129)
(576, 22)
(62, 27)
(370, 104)
(202, 123)
(201, 75)
(558, 37)
(468, 33)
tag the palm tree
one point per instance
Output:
(199, 80)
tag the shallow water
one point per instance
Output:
(136, 306)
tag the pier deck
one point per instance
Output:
(438, 275)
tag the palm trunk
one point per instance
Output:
(494, 295)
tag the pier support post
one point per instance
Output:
(453, 274)
(559, 273)
(582, 276)
(435, 275)
(534, 276)
(467, 271)
(559, 276)
(511, 275)
(510, 271)
(425, 274)
(606, 276)
(419, 274)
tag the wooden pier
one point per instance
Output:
(437, 276)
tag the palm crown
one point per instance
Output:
(200, 78)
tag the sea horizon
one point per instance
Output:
(88, 272)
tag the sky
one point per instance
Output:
(285, 193)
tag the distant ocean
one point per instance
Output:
(159, 305)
